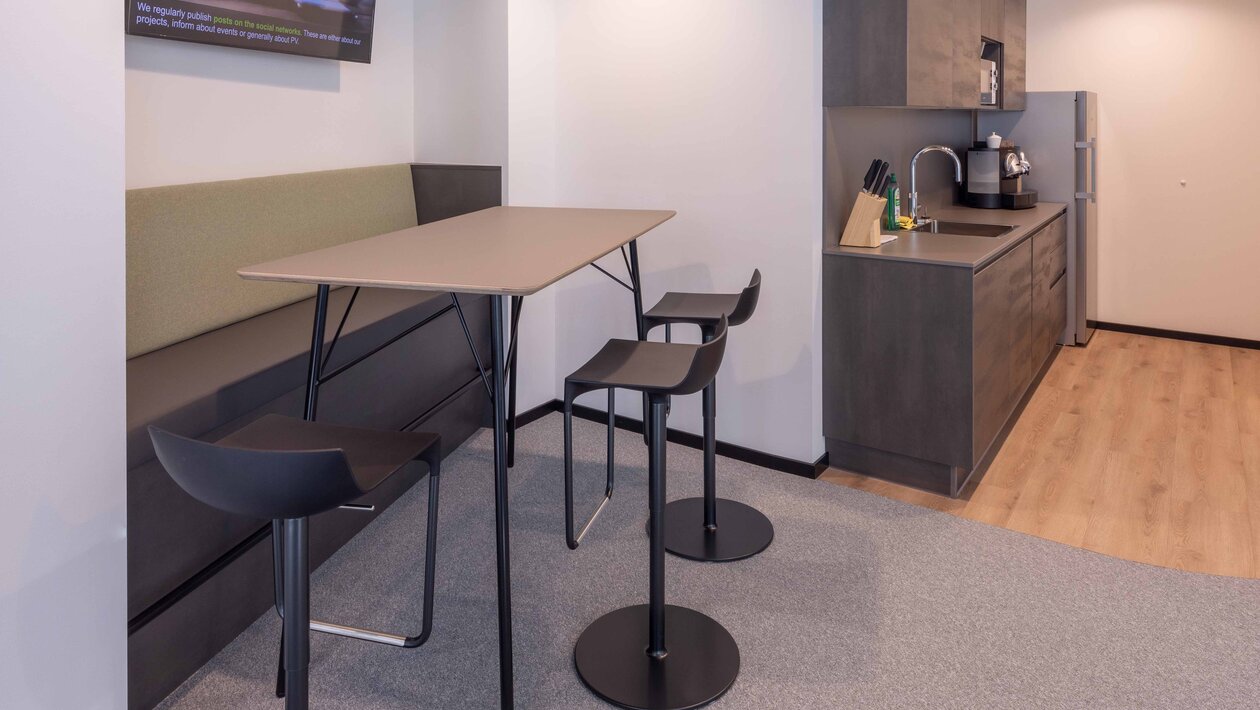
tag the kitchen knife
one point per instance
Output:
(869, 183)
(881, 180)
(883, 189)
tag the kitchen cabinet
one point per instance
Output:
(925, 364)
(1015, 55)
(993, 19)
(1002, 344)
(916, 53)
(967, 28)
(1049, 290)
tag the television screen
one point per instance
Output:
(332, 29)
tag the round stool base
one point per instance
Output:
(742, 531)
(701, 664)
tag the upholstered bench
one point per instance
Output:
(209, 353)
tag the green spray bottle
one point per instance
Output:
(894, 203)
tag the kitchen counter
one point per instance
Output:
(924, 364)
(956, 250)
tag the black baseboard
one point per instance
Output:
(822, 464)
(694, 441)
(533, 415)
(1178, 335)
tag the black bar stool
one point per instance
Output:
(693, 529)
(287, 469)
(623, 656)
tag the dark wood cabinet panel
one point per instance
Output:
(1002, 343)
(920, 53)
(898, 358)
(865, 52)
(1015, 55)
(930, 53)
(1050, 253)
(925, 366)
(1049, 291)
(993, 19)
(966, 52)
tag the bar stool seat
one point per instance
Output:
(624, 656)
(286, 470)
(701, 309)
(635, 364)
(373, 455)
(708, 528)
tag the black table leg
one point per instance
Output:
(317, 351)
(640, 325)
(513, 348)
(501, 503)
(314, 364)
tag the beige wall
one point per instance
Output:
(1179, 101)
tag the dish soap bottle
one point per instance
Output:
(894, 203)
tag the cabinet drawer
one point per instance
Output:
(1049, 254)
(1058, 306)
(1049, 302)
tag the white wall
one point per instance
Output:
(711, 108)
(531, 175)
(1178, 100)
(63, 614)
(461, 82)
(197, 112)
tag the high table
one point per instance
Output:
(500, 252)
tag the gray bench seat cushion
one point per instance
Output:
(211, 385)
(193, 387)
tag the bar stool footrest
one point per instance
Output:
(353, 632)
(701, 664)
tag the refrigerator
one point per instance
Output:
(1059, 134)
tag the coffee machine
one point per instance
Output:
(995, 178)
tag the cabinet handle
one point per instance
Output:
(1057, 280)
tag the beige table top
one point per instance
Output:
(514, 251)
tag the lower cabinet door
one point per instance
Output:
(1001, 343)
(1049, 290)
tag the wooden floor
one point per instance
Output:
(1142, 448)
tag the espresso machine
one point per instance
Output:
(995, 178)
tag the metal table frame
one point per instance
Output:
(500, 386)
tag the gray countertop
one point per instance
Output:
(956, 250)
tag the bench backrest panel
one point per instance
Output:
(185, 243)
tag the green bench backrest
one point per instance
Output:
(185, 243)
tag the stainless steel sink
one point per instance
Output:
(965, 229)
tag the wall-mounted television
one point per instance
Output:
(332, 29)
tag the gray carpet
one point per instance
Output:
(860, 602)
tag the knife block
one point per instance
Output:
(863, 227)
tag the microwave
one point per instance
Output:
(988, 82)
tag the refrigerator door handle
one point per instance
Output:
(1092, 146)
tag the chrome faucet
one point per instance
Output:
(914, 178)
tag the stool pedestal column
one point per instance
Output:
(625, 656)
(297, 615)
(712, 529)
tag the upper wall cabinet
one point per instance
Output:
(1014, 54)
(921, 53)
